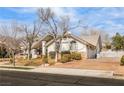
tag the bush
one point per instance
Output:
(122, 60)
(65, 52)
(65, 58)
(76, 56)
(108, 46)
(52, 54)
(44, 59)
(3, 53)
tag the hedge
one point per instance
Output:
(65, 52)
(122, 60)
(65, 58)
(76, 56)
(52, 54)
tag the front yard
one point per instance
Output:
(108, 64)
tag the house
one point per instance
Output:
(88, 46)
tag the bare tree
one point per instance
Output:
(89, 31)
(58, 26)
(10, 39)
(30, 34)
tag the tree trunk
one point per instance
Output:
(60, 44)
(56, 56)
(56, 51)
(13, 58)
(29, 52)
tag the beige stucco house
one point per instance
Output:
(88, 46)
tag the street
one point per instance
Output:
(20, 78)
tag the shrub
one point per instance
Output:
(122, 60)
(3, 53)
(108, 46)
(52, 54)
(76, 56)
(44, 59)
(65, 52)
(65, 58)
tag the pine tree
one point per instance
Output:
(117, 42)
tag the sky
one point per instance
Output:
(109, 19)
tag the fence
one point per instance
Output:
(110, 54)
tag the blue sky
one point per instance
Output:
(110, 20)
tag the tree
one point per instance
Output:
(87, 31)
(10, 39)
(30, 34)
(117, 42)
(123, 42)
(106, 40)
(57, 26)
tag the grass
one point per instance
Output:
(25, 62)
(4, 59)
(24, 68)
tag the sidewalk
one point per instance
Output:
(75, 72)
(66, 71)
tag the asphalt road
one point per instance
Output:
(20, 78)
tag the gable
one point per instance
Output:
(46, 38)
(74, 38)
(86, 40)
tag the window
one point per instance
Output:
(73, 45)
(65, 46)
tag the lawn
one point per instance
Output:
(25, 62)
(22, 62)
(108, 64)
(23, 68)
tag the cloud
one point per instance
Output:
(22, 10)
(71, 12)
(109, 19)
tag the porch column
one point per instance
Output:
(43, 48)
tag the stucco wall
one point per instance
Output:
(51, 47)
(66, 46)
(81, 47)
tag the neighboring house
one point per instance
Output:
(88, 46)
